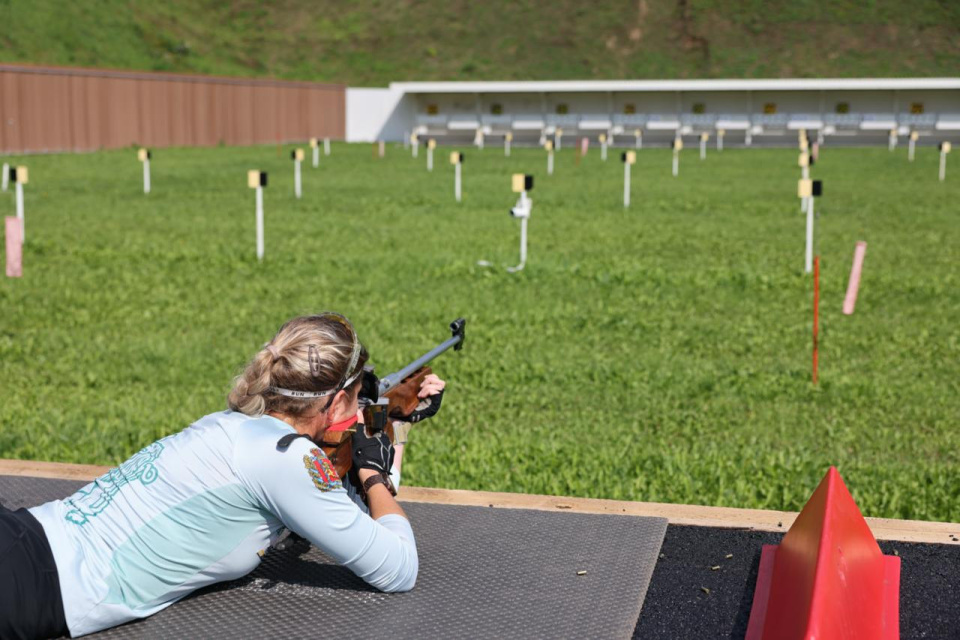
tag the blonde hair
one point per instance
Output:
(285, 362)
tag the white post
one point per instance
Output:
(806, 176)
(626, 185)
(296, 178)
(406, 140)
(549, 163)
(381, 148)
(326, 146)
(506, 146)
(703, 148)
(146, 175)
(676, 163)
(719, 142)
(808, 260)
(748, 138)
(943, 167)
(638, 141)
(558, 137)
(456, 182)
(260, 223)
(603, 150)
(480, 139)
(892, 142)
(23, 229)
(416, 147)
(910, 148)
(429, 158)
(6, 175)
(523, 232)
(316, 156)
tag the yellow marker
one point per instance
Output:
(519, 182)
(253, 178)
(298, 154)
(602, 138)
(313, 143)
(630, 157)
(804, 188)
(142, 155)
(548, 145)
(509, 136)
(721, 132)
(455, 157)
(804, 160)
(22, 176)
(914, 136)
(677, 144)
(431, 144)
(945, 147)
(704, 137)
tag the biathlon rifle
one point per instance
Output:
(397, 399)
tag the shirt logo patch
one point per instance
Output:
(322, 473)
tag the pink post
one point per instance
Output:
(584, 145)
(14, 247)
(851, 300)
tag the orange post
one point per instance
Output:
(816, 316)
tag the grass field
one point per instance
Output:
(661, 353)
(376, 42)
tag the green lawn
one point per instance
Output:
(376, 42)
(661, 353)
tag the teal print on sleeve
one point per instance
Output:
(95, 497)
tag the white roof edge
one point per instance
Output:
(560, 86)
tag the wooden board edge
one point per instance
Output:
(678, 514)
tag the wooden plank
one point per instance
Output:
(680, 514)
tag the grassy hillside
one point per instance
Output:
(662, 353)
(378, 41)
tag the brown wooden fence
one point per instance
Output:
(63, 109)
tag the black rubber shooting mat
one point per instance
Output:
(484, 573)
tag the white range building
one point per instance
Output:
(859, 111)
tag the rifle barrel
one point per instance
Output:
(390, 381)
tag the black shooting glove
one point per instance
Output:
(427, 408)
(372, 451)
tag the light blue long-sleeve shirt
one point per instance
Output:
(202, 506)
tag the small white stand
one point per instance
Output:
(703, 148)
(748, 138)
(6, 176)
(23, 229)
(808, 257)
(381, 148)
(406, 140)
(557, 138)
(638, 140)
(719, 141)
(478, 139)
(676, 163)
(892, 142)
(316, 156)
(522, 211)
(805, 174)
(550, 162)
(429, 158)
(146, 175)
(911, 147)
(603, 150)
(626, 185)
(456, 181)
(943, 167)
(506, 146)
(416, 147)
(260, 223)
(296, 179)
(326, 146)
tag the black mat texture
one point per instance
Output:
(689, 598)
(484, 573)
